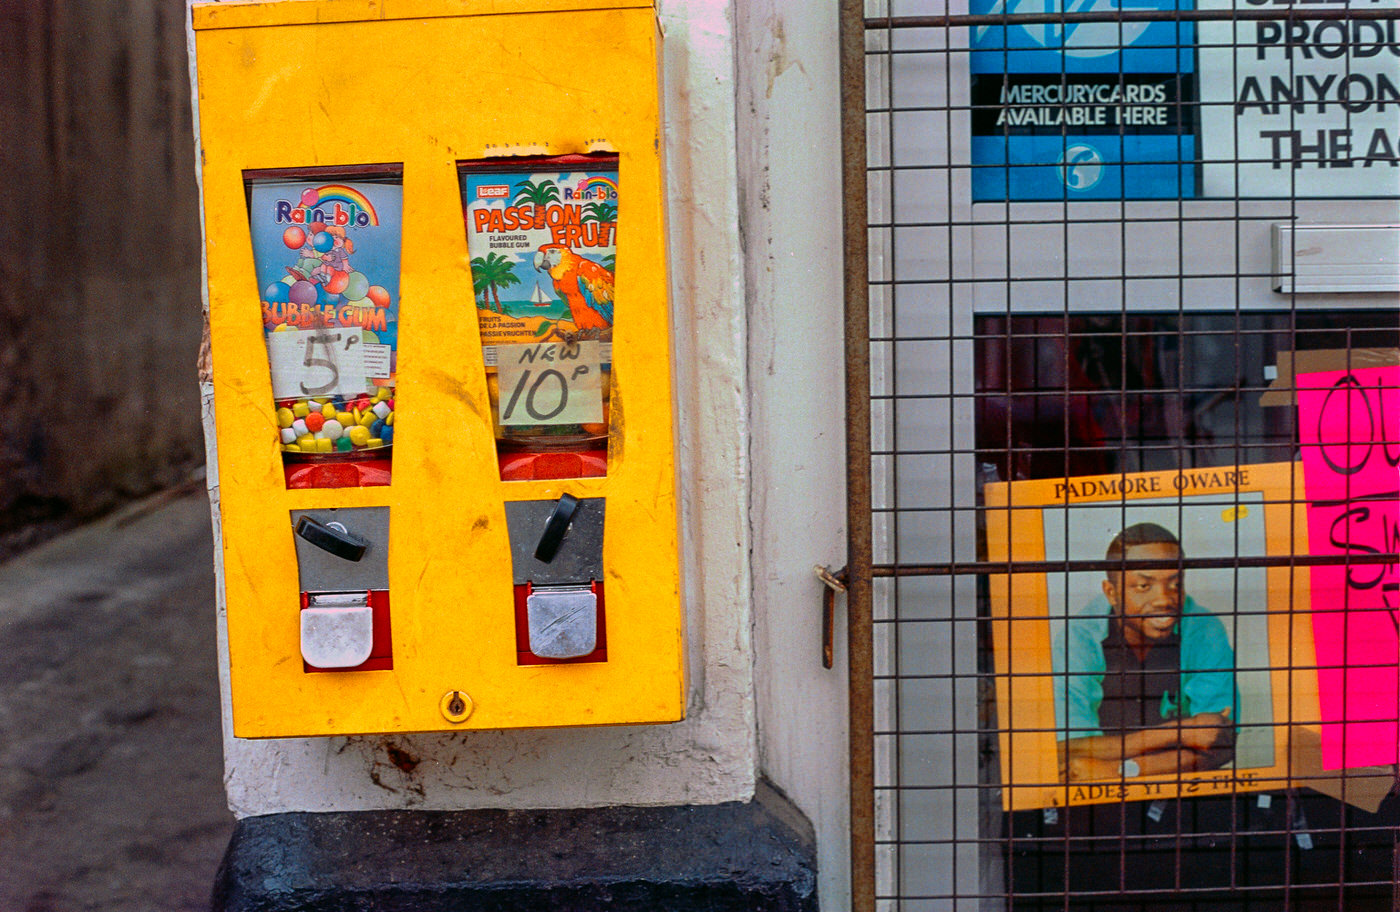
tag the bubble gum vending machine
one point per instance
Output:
(440, 327)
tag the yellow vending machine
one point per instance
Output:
(439, 320)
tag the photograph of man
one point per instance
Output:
(1144, 679)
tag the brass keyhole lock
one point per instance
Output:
(456, 706)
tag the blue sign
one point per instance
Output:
(1069, 111)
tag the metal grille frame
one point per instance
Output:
(990, 859)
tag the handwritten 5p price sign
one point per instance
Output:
(324, 362)
(1350, 431)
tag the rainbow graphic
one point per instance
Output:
(339, 193)
(599, 179)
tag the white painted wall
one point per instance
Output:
(753, 171)
(790, 187)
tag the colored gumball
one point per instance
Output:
(276, 293)
(325, 297)
(294, 237)
(337, 282)
(379, 295)
(315, 421)
(302, 292)
(356, 286)
(323, 241)
(310, 197)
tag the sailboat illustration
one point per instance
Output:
(539, 298)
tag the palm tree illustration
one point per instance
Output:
(540, 194)
(490, 274)
(479, 285)
(599, 212)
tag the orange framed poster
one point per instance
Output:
(1175, 666)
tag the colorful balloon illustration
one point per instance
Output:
(294, 237)
(302, 292)
(310, 197)
(356, 286)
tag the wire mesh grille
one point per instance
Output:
(1133, 351)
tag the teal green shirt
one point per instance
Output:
(1207, 667)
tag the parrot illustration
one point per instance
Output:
(586, 286)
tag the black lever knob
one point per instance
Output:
(333, 538)
(556, 528)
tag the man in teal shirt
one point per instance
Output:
(1144, 676)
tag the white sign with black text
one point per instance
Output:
(1300, 107)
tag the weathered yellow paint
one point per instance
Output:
(255, 13)
(426, 83)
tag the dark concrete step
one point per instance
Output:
(756, 856)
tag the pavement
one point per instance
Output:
(111, 764)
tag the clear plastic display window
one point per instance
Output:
(542, 238)
(326, 251)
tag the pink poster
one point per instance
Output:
(1349, 428)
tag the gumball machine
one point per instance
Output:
(326, 248)
(433, 514)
